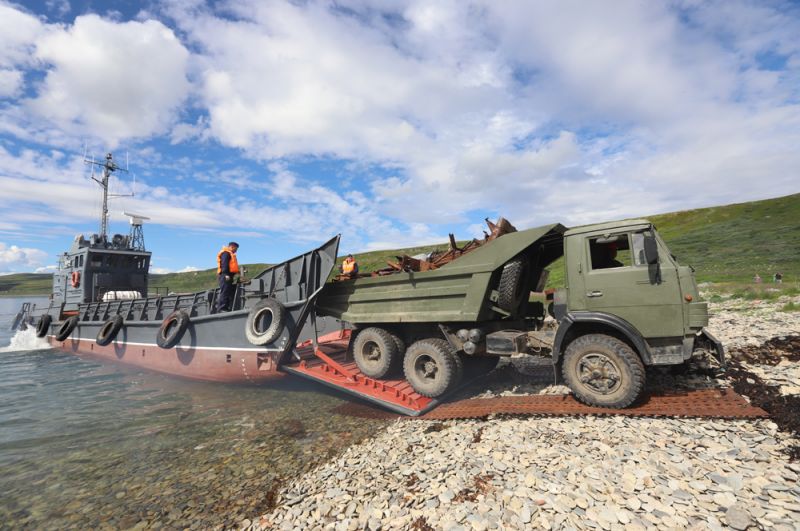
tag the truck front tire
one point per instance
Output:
(432, 367)
(603, 371)
(377, 352)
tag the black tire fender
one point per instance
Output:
(66, 328)
(432, 367)
(512, 288)
(172, 329)
(43, 326)
(265, 322)
(592, 361)
(108, 332)
(376, 352)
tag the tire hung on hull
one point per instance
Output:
(172, 329)
(66, 328)
(43, 326)
(265, 322)
(108, 332)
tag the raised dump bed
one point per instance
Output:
(468, 289)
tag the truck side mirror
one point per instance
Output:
(650, 249)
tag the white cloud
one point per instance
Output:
(504, 107)
(111, 80)
(539, 111)
(14, 258)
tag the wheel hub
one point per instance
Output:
(599, 373)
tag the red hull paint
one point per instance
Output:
(216, 365)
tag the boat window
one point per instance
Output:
(97, 261)
(81, 264)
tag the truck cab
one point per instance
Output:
(627, 303)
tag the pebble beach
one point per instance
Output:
(596, 472)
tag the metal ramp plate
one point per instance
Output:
(329, 365)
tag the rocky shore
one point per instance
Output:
(604, 473)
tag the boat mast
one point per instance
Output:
(109, 166)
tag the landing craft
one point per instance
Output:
(100, 306)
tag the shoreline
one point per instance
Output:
(604, 473)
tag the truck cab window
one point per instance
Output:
(610, 251)
(638, 247)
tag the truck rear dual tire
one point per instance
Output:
(603, 371)
(432, 367)
(378, 352)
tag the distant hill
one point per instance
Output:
(728, 243)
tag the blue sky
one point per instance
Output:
(279, 124)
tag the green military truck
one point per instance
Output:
(627, 303)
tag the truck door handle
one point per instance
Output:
(594, 293)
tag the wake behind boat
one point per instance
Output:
(99, 306)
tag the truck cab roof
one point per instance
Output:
(611, 226)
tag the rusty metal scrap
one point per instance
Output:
(439, 258)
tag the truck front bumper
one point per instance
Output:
(704, 338)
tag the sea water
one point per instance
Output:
(95, 444)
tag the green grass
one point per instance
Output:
(727, 245)
(791, 307)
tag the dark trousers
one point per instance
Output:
(226, 291)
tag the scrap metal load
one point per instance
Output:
(437, 259)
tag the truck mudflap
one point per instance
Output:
(705, 338)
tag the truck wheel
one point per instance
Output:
(603, 371)
(432, 367)
(513, 286)
(375, 351)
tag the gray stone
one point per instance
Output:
(737, 517)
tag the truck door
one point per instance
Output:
(617, 281)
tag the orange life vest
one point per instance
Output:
(233, 265)
(348, 265)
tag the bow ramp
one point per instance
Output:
(328, 360)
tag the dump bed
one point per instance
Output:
(458, 291)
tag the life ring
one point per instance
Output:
(265, 322)
(172, 329)
(109, 330)
(43, 326)
(66, 328)
(75, 279)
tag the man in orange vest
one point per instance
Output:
(350, 266)
(227, 267)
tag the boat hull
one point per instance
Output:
(217, 364)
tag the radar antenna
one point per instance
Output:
(109, 166)
(137, 236)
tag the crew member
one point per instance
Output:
(227, 267)
(350, 267)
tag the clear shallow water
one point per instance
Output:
(90, 444)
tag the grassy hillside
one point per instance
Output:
(724, 244)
